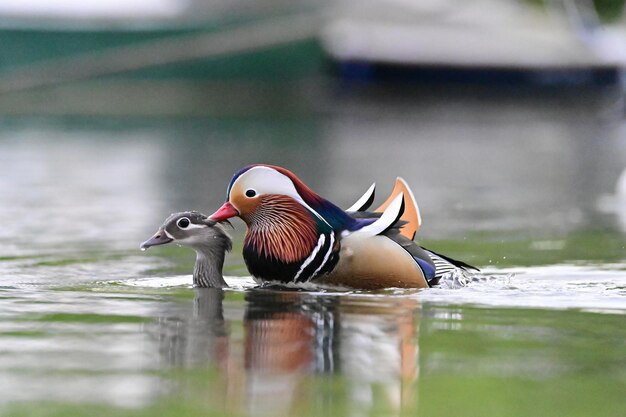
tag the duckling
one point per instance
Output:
(202, 234)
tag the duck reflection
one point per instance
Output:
(195, 338)
(294, 352)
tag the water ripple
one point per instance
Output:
(600, 289)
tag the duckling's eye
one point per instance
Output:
(183, 223)
(250, 193)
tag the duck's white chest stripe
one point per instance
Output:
(328, 252)
(307, 261)
(318, 260)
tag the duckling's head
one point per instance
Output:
(206, 236)
(193, 229)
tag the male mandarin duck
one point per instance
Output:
(296, 236)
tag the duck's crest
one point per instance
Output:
(334, 216)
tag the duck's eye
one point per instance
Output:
(250, 193)
(183, 223)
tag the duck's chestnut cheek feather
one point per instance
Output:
(225, 212)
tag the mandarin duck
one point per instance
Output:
(204, 235)
(296, 236)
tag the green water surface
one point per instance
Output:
(523, 184)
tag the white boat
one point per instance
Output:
(478, 35)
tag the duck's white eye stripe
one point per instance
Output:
(196, 226)
(186, 224)
(265, 180)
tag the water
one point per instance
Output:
(522, 184)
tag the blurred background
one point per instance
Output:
(507, 118)
(503, 115)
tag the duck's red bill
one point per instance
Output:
(225, 212)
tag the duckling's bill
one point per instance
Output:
(160, 238)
